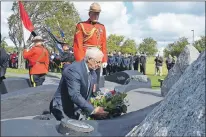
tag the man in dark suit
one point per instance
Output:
(4, 59)
(77, 86)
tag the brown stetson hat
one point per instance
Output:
(37, 38)
(95, 7)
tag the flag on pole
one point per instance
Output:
(61, 32)
(58, 44)
(27, 25)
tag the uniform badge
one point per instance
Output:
(100, 30)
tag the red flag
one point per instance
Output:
(27, 24)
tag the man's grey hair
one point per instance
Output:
(93, 53)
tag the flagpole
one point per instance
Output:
(21, 26)
(20, 59)
(58, 24)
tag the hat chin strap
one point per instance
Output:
(38, 43)
(94, 21)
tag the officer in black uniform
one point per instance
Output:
(131, 60)
(118, 62)
(4, 60)
(67, 57)
(143, 60)
(136, 61)
(125, 62)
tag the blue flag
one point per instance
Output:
(61, 32)
(58, 44)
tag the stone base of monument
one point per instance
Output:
(73, 127)
(122, 77)
(129, 80)
(133, 84)
(119, 126)
(14, 84)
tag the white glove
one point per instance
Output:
(104, 65)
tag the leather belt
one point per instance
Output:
(91, 46)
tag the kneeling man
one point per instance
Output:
(77, 86)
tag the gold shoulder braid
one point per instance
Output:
(89, 34)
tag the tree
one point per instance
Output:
(200, 44)
(149, 46)
(177, 47)
(44, 13)
(10, 49)
(129, 46)
(3, 42)
(114, 42)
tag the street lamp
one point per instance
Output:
(193, 36)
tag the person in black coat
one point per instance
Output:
(143, 61)
(136, 61)
(67, 57)
(4, 60)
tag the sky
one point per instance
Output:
(165, 22)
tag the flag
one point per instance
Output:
(27, 25)
(61, 32)
(56, 41)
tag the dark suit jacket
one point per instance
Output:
(74, 88)
(4, 59)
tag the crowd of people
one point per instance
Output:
(120, 62)
(13, 60)
(116, 61)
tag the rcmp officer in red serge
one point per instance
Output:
(90, 34)
(38, 57)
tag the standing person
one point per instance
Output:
(136, 61)
(131, 58)
(14, 60)
(143, 61)
(4, 60)
(111, 63)
(169, 62)
(118, 61)
(158, 65)
(91, 34)
(38, 57)
(76, 87)
(67, 56)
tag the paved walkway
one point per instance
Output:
(51, 78)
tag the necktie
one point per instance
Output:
(89, 82)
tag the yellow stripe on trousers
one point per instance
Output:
(32, 81)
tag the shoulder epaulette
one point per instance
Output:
(100, 23)
(81, 22)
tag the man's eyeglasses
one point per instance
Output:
(97, 62)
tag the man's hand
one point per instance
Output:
(104, 65)
(99, 112)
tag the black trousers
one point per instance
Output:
(136, 66)
(143, 68)
(37, 79)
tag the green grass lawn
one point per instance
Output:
(150, 70)
(17, 71)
